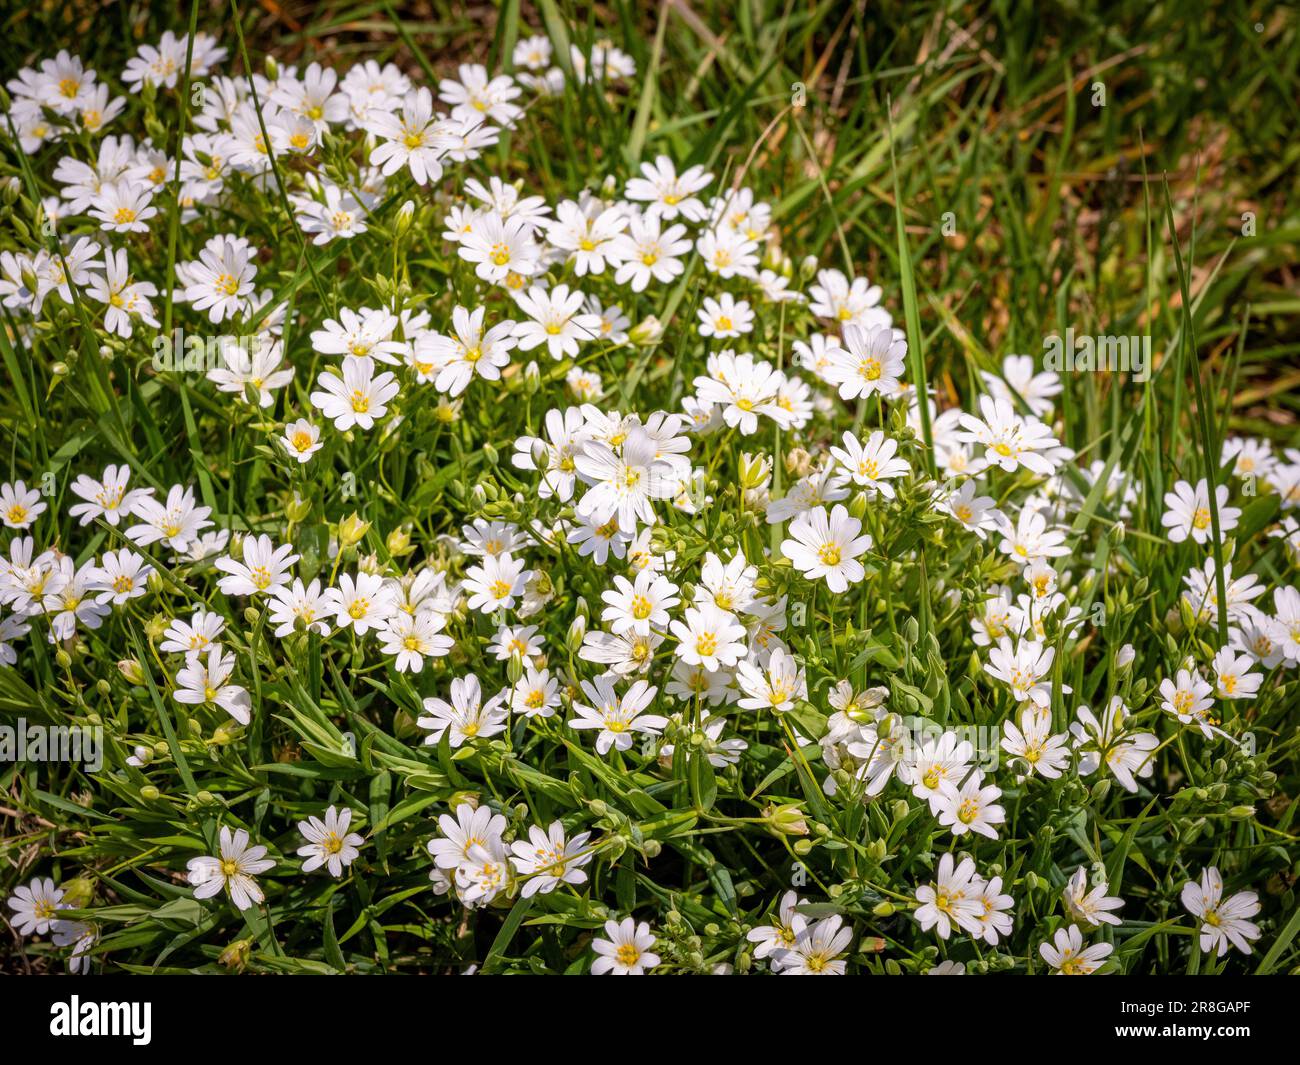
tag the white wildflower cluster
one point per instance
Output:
(557, 542)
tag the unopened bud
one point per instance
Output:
(352, 530)
(786, 820)
(754, 470)
(297, 509)
(646, 332)
(398, 543)
(405, 215)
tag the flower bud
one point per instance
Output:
(297, 509)
(235, 956)
(577, 631)
(149, 793)
(77, 893)
(754, 470)
(405, 215)
(399, 543)
(646, 332)
(352, 530)
(785, 820)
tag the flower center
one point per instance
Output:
(829, 554)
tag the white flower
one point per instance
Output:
(774, 687)
(107, 498)
(312, 97)
(1126, 754)
(1068, 957)
(232, 870)
(368, 331)
(853, 303)
(565, 435)
(624, 481)
(222, 278)
(457, 359)
(728, 253)
(251, 365)
(358, 397)
(1009, 441)
(587, 233)
(627, 950)
(263, 567)
(121, 576)
(535, 694)
(496, 582)
(500, 247)
(476, 95)
(1090, 906)
(818, 949)
(871, 464)
(301, 439)
(296, 605)
(1036, 389)
(972, 807)
(1030, 538)
(466, 717)
(471, 827)
(646, 251)
(329, 843)
(870, 362)
(200, 684)
(415, 137)
(725, 317)
(710, 637)
(1284, 627)
(827, 548)
(1190, 699)
(548, 859)
(124, 207)
(557, 320)
(1033, 742)
(776, 938)
(1025, 667)
(363, 602)
(638, 605)
(36, 906)
(1224, 922)
(124, 299)
(976, 512)
(414, 637)
(929, 765)
(483, 875)
(1188, 512)
(621, 655)
(20, 505)
(616, 717)
(952, 899)
(744, 389)
(196, 636)
(668, 193)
